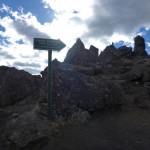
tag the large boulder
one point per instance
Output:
(74, 89)
(27, 129)
(15, 85)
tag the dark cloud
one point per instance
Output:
(27, 64)
(31, 67)
(76, 19)
(122, 16)
(5, 55)
(32, 70)
(75, 12)
(28, 31)
(35, 55)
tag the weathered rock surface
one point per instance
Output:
(82, 91)
(27, 128)
(15, 85)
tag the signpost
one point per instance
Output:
(49, 44)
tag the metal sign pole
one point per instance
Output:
(55, 45)
(49, 78)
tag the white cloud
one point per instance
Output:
(68, 25)
(29, 31)
(115, 16)
(24, 27)
(148, 43)
(4, 8)
(97, 22)
(68, 6)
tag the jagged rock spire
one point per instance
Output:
(139, 46)
(79, 43)
(79, 55)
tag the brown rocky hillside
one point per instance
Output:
(84, 85)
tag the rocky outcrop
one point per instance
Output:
(111, 53)
(108, 54)
(71, 88)
(139, 46)
(15, 85)
(124, 51)
(84, 82)
(79, 55)
(84, 88)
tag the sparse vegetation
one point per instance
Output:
(79, 117)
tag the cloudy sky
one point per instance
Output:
(96, 22)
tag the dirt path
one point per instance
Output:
(126, 129)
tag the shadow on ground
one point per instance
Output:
(126, 129)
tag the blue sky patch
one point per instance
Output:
(119, 44)
(34, 6)
(2, 28)
(4, 41)
(20, 42)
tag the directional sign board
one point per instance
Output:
(48, 44)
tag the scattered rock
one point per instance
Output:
(27, 128)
